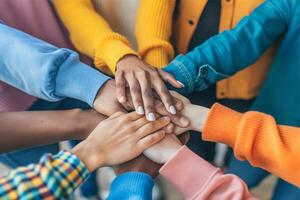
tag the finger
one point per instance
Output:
(150, 140)
(147, 95)
(169, 128)
(133, 116)
(120, 87)
(117, 114)
(177, 119)
(164, 94)
(135, 92)
(170, 79)
(151, 127)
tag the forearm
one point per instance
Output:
(55, 177)
(45, 71)
(91, 34)
(32, 128)
(257, 138)
(195, 178)
(153, 37)
(231, 51)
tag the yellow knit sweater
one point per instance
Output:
(92, 35)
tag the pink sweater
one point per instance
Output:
(196, 179)
(37, 18)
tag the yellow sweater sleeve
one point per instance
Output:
(91, 34)
(257, 138)
(153, 30)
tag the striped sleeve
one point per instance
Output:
(54, 177)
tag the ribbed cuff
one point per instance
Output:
(188, 172)
(131, 185)
(157, 57)
(79, 81)
(221, 125)
(111, 49)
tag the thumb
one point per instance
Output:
(170, 79)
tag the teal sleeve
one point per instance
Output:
(233, 50)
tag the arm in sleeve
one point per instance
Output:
(54, 177)
(131, 185)
(153, 31)
(45, 71)
(256, 137)
(233, 50)
(197, 179)
(91, 34)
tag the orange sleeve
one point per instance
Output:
(256, 137)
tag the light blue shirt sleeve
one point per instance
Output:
(131, 185)
(45, 71)
(233, 50)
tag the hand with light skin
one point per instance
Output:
(196, 115)
(167, 148)
(119, 139)
(144, 164)
(140, 79)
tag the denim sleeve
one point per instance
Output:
(233, 50)
(45, 71)
(131, 185)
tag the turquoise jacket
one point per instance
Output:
(233, 50)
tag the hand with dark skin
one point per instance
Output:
(106, 103)
(141, 78)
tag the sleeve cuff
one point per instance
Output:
(132, 185)
(79, 81)
(219, 128)
(112, 48)
(157, 57)
(188, 172)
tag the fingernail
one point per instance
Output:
(140, 110)
(122, 99)
(150, 117)
(182, 85)
(184, 122)
(172, 110)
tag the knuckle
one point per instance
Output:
(148, 93)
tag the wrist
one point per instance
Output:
(198, 116)
(88, 156)
(125, 59)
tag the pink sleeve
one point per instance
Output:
(197, 179)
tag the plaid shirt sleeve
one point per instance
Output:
(54, 177)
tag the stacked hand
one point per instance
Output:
(140, 79)
(118, 139)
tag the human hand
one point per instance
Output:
(196, 115)
(118, 139)
(141, 78)
(106, 101)
(139, 164)
(163, 150)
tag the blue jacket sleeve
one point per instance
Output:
(45, 71)
(233, 50)
(131, 185)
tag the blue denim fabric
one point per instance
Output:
(45, 71)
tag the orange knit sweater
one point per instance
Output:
(257, 138)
